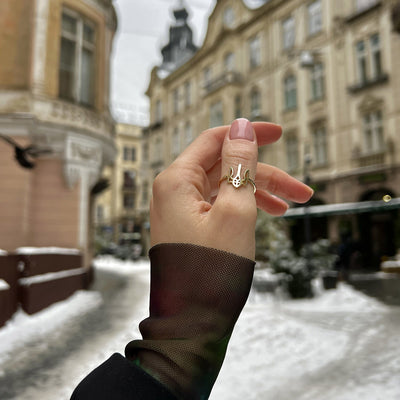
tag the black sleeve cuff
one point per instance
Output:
(120, 379)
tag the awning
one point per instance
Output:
(343, 208)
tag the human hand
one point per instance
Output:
(190, 206)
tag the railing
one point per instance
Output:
(367, 160)
(36, 280)
(228, 78)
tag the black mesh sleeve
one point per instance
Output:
(197, 294)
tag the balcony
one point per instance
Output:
(369, 159)
(378, 80)
(228, 78)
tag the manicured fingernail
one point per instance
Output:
(241, 129)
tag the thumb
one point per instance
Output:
(235, 208)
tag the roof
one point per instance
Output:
(343, 208)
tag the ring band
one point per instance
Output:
(236, 180)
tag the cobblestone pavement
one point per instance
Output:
(49, 371)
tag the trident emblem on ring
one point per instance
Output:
(236, 180)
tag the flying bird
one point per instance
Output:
(23, 154)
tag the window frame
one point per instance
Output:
(255, 103)
(369, 66)
(317, 81)
(376, 128)
(290, 92)
(314, 17)
(320, 146)
(254, 51)
(80, 45)
(287, 31)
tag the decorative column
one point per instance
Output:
(41, 18)
(83, 161)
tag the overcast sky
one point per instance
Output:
(142, 32)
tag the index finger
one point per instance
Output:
(206, 149)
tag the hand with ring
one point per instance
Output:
(209, 195)
(205, 202)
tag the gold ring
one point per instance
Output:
(236, 180)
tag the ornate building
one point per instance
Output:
(121, 212)
(54, 115)
(324, 70)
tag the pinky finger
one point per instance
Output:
(271, 204)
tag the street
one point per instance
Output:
(51, 370)
(342, 345)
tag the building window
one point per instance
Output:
(77, 63)
(361, 62)
(207, 76)
(188, 94)
(373, 132)
(255, 52)
(129, 179)
(238, 106)
(362, 5)
(290, 90)
(317, 81)
(292, 153)
(229, 62)
(175, 100)
(216, 114)
(129, 201)
(376, 63)
(255, 103)
(320, 146)
(288, 28)
(369, 59)
(314, 17)
(188, 133)
(176, 145)
(158, 112)
(129, 153)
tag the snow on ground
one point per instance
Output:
(278, 345)
(283, 345)
(4, 285)
(121, 267)
(46, 250)
(23, 328)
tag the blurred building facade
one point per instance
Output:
(54, 97)
(121, 212)
(327, 72)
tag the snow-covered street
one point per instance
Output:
(341, 345)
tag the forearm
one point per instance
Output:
(197, 294)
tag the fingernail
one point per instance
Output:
(241, 128)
